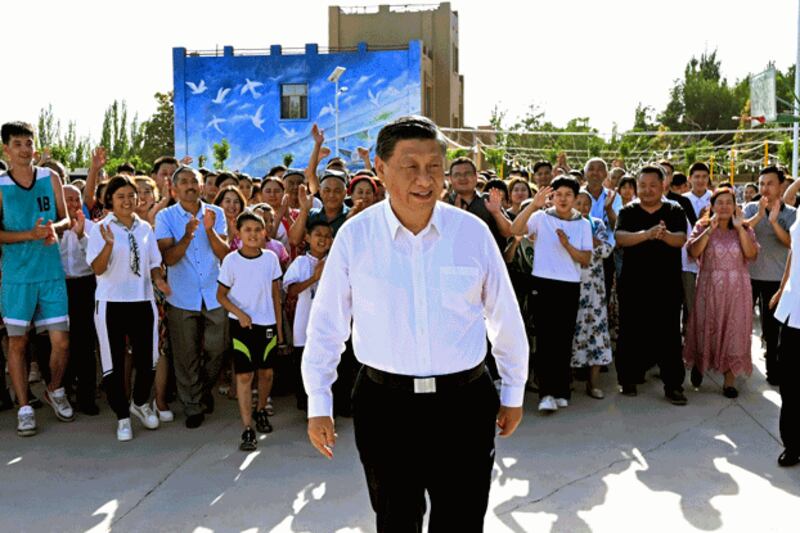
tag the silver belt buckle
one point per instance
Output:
(424, 385)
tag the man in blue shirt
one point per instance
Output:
(605, 206)
(192, 238)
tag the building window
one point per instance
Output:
(294, 101)
(455, 58)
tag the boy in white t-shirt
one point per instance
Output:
(300, 282)
(250, 290)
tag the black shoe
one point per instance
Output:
(249, 442)
(208, 403)
(194, 421)
(730, 392)
(629, 390)
(697, 377)
(262, 422)
(676, 397)
(788, 458)
(89, 408)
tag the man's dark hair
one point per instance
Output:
(15, 129)
(164, 160)
(772, 169)
(114, 184)
(463, 161)
(246, 215)
(540, 164)
(651, 169)
(223, 176)
(679, 179)
(407, 128)
(127, 166)
(497, 183)
(274, 170)
(181, 169)
(697, 166)
(566, 181)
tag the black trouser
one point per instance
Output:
(342, 388)
(442, 443)
(135, 322)
(650, 332)
(297, 378)
(609, 273)
(82, 338)
(555, 314)
(770, 327)
(789, 366)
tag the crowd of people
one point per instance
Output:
(184, 283)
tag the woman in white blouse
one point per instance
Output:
(788, 314)
(123, 254)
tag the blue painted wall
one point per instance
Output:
(213, 101)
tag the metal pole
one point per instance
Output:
(796, 126)
(336, 105)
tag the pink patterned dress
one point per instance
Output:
(719, 327)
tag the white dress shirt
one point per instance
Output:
(698, 203)
(789, 305)
(421, 305)
(73, 252)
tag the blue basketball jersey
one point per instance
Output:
(29, 261)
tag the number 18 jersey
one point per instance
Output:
(29, 261)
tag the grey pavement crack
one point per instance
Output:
(555, 491)
(164, 479)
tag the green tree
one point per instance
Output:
(287, 159)
(159, 130)
(48, 129)
(222, 152)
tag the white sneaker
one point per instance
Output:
(60, 404)
(34, 376)
(163, 416)
(26, 421)
(145, 415)
(562, 402)
(548, 404)
(124, 430)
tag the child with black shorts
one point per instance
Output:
(249, 289)
(300, 282)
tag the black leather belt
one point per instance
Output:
(425, 385)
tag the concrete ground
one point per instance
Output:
(617, 465)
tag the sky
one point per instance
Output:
(571, 58)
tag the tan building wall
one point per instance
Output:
(436, 26)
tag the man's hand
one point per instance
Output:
(163, 286)
(508, 418)
(305, 200)
(494, 203)
(39, 231)
(191, 227)
(775, 211)
(324, 152)
(52, 237)
(79, 223)
(318, 135)
(610, 199)
(245, 321)
(773, 302)
(658, 231)
(322, 435)
(209, 219)
(763, 203)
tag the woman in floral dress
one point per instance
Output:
(591, 345)
(720, 324)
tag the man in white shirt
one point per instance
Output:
(423, 284)
(700, 197)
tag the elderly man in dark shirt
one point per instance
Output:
(489, 208)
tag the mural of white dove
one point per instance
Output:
(251, 86)
(197, 88)
(326, 110)
(221, 94)
(373, 98)
(215, 122)
(288, 132)
(257, 119)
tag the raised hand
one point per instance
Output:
(191, 227)
(317, 134)
(187, 160)
(107, 234)
(79, 223)
(324, 152)
(610, 198)
(775, 211)
(763, 203)
(358, 206)
(305, 200)
(494, 203)
(541, 197)
(363, 153)
(713, 222)
(209, 219)
(738, 218)
(98, 158)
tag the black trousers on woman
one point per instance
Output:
(441, 442)
(135, 322)
(789, 363)
(554, 315)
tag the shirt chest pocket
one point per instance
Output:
(460, 289)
